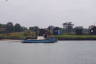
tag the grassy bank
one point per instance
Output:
(76, 37)
(16, 35)
(22, 35)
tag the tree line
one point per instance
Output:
(9, 27)
(67, 28)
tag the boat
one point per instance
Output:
(48, 40)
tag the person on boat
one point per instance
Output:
(45, 35)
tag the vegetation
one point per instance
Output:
(76, 37)
(92, 29)
(15, 35)
(16, 31)
(78, 30)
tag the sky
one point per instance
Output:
(43, 13)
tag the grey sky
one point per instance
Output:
(43, 13)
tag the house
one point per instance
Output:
(57, 31)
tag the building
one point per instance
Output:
(57, 31)
(68, 27)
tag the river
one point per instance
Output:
(62, 52)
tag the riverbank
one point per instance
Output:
(22, 36)
(76, 37)
(13, 36)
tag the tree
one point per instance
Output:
(3, 28)
(10, 27)
(92, 30)
(51, 29)
(24, 28)
(78, 30)
(17, 28)
(34, 29)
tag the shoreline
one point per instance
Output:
(76, 39)
(11, 39)
(59, 39)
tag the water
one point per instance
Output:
(62, 52)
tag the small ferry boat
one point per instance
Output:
(48, 40)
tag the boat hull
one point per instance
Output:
(50, 40)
